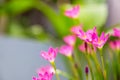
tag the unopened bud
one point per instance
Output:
(86, 70)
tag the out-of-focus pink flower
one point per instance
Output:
(82, 35)
(34, 78)
(99, 41)
(45, 73)
(70, 40)
(66, 50)
(86, 48)
(75, 29)
(72, 12)
(115, 45)
(87, 36)
(82, 48)
(50, 55)
(116, 32)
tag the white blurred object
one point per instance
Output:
(114, 12)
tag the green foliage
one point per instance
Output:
(85, 2)
(56, 19)
(18, 6)
(16, 29)
(93, 15)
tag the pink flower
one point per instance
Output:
(86, 36)
(75, 29)
(82, 48)
(45, 73)
(89, 34)
(66, 50)
(86, 48)
(73, 12)
(70, 40)
(115, 45)
(116, 32)
(50, 55)
(82, 35)
(99, 41)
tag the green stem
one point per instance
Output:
(54, 66)
(73, 68)
(90, 66)
(76, 21)
(102, 60)
(64, 74)
(77, 59)
(94, 56)
(55, 19)
(87, 77)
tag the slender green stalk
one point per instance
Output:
(54, 66)
(94, 56)
(76, 21)
(119, 56)
(102, 60)
(73, 67)
(90, 66)
(77, 59)
(114, 70)
(87, 77)
(78, 67)
(65, 74)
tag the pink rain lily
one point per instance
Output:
(86, 36)
(50, 55)
(115, 45)
(75, 29)
(99, 41)
(116, 32)
(82, 48)
(45, 73)
(72, 12)
(66, 50)
(89, 34)
(70, 40)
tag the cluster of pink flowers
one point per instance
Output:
(88, 37)
(115, 45)
(45, 73)
(91, 36)
(67, 49)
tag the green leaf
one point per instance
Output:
(85, 2)
(18, 6)
(57, 21)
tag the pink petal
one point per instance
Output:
(50, 55)
(66, 50)
(70, 40)
(102, 37)
(72, 12)
(75, 29)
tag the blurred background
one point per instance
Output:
(29, 26)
